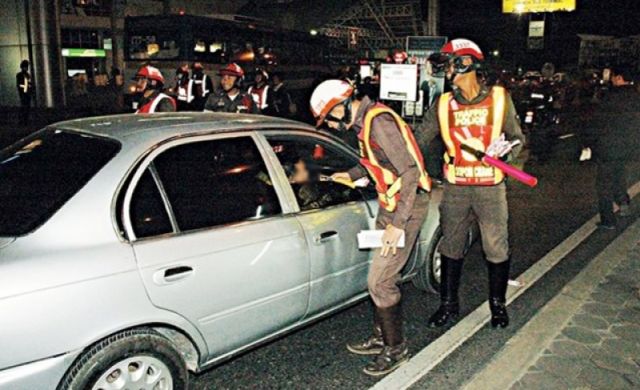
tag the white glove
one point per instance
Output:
(500, 147)
(586, 154)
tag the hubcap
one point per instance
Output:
(136, 373)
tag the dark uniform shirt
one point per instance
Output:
(280, 102)
(241, 104)
(430, 127)
(612, 130)
(391, 154)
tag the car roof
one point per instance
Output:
(158, 126)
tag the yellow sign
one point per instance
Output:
(522, 6)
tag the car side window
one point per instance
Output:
(217, 182)
(148, 213)
(308, 163)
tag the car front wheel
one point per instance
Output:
(428, 277)
(133, 359)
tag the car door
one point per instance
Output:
(214, 242)
(331, 214)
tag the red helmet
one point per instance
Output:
(399, 57)
(150, 73)
(462, 47)
(232, 69)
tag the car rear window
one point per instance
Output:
(40, 173)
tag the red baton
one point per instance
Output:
(509, 170)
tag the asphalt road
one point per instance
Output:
(541, 218)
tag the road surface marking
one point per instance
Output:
(429, 357)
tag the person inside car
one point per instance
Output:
(305, 189)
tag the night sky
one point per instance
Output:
(484, 22)
(491, 29)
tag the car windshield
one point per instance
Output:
(40, 173)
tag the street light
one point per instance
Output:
(313, 32)
(496, 53)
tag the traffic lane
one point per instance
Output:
(540, 219)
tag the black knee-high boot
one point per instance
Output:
(449, 284)
(498, 281)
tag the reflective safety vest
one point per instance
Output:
(259, 96)
(151, 106)
(185, 91)
(475, 125)
(388, 185)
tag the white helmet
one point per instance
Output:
(327, 95)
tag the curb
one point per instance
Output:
(518, 355)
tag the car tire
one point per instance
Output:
(428, 276)
(130, 356)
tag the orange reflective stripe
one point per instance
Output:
(499, 112)
(499, 103)
(388, 184)
(445, 131)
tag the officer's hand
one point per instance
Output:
(390, 240)
(340, 176)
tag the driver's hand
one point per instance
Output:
(340, 176)
(390, 240)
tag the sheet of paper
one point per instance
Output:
(368, 239)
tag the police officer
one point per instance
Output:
(149, 85)
(202, 86)
(184, 89)
(24, 84)
(478, 117)
(391, 157)
(230, 98)
(259, 91)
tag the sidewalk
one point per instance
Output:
(587, 337)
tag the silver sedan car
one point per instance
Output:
(134, 249)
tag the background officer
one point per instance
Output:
(184, 89)
(202, 86)
(391, 157)
(259, 91)
(478, 117)
(149, 86)
(230, 98)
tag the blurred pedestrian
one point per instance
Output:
(24, 84)
(613, 137)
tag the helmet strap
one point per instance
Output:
(346, 119)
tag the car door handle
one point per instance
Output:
(326, 236)
(173, 274)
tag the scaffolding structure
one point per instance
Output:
(379, 24)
